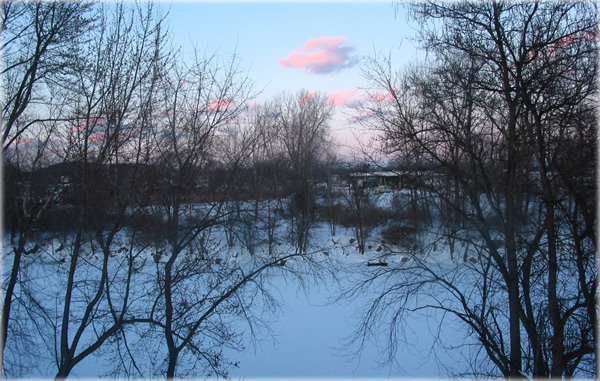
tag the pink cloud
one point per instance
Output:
(322, 42)
(321, 55)
(344, 97)
(550, 50)
(312, 61)
(21, 142)
(381, 97)
(219, 105)
(306, 96)
(354, 98)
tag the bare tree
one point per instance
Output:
(197, 102)
(35, 38)
(507, 83)
(115, 82)
(301, 121)
(105, 88)
(152, 149)
(26, 203)
(36, 45)
(358, 202)
(200, 287)
(270, 173)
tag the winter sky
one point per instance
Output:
(288, 46)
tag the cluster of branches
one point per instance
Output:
(505, 110)
(296, 128)
(110, 141)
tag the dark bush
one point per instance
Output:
(151, 227)
(58, 219)
(400, 235)
(344, 216)
(330, 213)
(413, 215)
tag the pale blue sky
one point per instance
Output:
(264, 32)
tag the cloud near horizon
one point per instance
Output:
(321, 55)
(219, 105)
(345, 97)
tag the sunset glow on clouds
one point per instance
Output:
(381, 97)
(220, 105)
(344, 97)
(354, 98)
(321, 56)
(306, 97)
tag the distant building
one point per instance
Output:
(373, 179)
(401, 179)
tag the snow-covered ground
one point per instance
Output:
(309, 336)
(311, 340)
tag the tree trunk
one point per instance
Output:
(8, 297)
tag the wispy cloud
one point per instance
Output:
(356, 98)
(364, 117)
(321, 55)
(344, 97)
(220, 105)
(381, 97)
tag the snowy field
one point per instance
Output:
(307, 336)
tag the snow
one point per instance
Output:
(308, 337)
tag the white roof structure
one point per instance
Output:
(377, 174)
